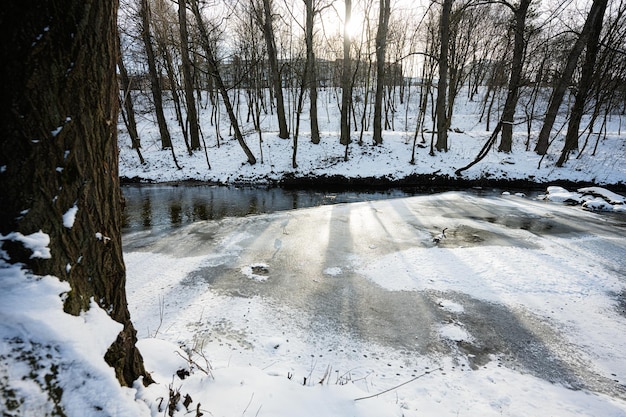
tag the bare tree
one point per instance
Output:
(264, 17)
(346, 78)
(381, 48)
(155, 76)
(219, 82)
(310, 69)
(192, 114)
(520, 12)
(442, 84)
(595, 13)
(126, 98)
(584, 86)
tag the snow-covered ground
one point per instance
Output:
(560, 287)
(514, 315)
(518, 311)
(389, 161)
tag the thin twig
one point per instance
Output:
(249, 402)
(398, 386)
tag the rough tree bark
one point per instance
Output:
(59, 150)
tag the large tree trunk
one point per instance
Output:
(346, 81)
(59, 151)
(519, 46)
(442, 85)
(155, 77)
(381, 48)
(584, 85)
(556, 99)
(192, 114)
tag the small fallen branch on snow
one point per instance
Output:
(399, 385)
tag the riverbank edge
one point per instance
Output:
(423, 182)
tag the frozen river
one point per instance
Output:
(518, 283)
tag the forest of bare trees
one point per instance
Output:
(535, 66)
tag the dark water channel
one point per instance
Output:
(158, 206)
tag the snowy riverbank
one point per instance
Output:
(602, 163)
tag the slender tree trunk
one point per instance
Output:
(169, 70)
(275, 73)
(192, 115)
(346, 85)
(127, 103)
(155, 77)
(519, 46)
(294, 162)
(584, 85)
(556, 99)
(311, 70)
(215, 74)
(444, 37)
(59, 107)
(381, 48)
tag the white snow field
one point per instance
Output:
(518, 311)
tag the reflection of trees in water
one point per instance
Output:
(175, 212)
(176, 206)
(253, 206)
(146, 212)
(199, 211)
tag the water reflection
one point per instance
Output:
(150, 206)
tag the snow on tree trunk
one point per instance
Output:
(59, 152)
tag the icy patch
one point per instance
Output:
(333, 271)
(257, 272)
(70, 216)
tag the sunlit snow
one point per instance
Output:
(519, 311)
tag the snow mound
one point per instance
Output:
(590, 198)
